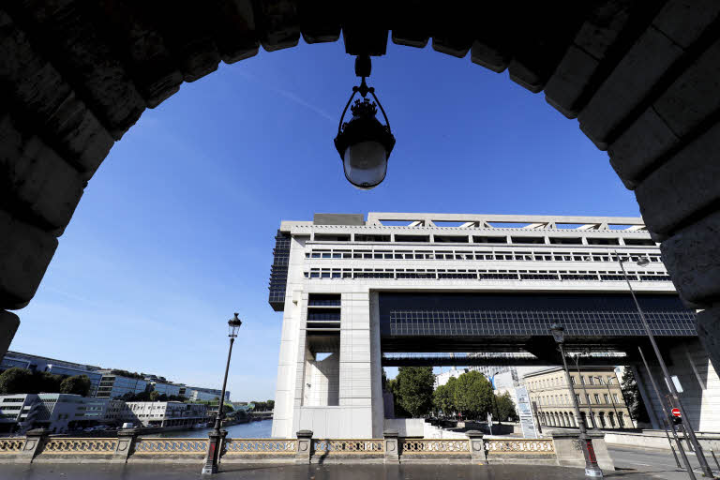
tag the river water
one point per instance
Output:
(260, 429)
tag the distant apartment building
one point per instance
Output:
(37, 363)
(57, 412)
(106, 384)
(597, 391)
(115, 386)
(161, 414)
(198, 394)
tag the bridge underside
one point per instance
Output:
(430, 328)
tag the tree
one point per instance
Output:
(505, 407)
(473, 394)
(632, 397)
(16, 380)
(271, 405)
(443, 398)
(77, 384)
(415, 389)
(47, 382)
(393, 386)
(154, 395)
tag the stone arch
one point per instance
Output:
(640, 76)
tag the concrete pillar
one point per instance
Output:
(125, 446)
(9, 323)
(569, 450)
(34, 443)
(477, 446)
(304, 448)
(392, 447)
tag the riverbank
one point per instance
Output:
(261, 429)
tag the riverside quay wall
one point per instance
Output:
(562, 449)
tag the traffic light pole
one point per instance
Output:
(666, 419)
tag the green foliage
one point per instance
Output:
(264, 406)
(20, 380)
(443, 398)
(505, 407)
(16, 380)
(633, 400)
(154, 396)
(415, 389)
(393, 386)
(77, 384)
(473, 394)
(125, 373)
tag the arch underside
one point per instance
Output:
(640, 76)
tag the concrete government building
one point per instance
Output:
(427, 289)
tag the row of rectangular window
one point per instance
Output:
(483, 274)
(475, 255)
(482, 239)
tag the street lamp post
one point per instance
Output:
(211, 462)
(587, 397)
(643, 261)
(592, 469)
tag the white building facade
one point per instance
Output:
(329, 275)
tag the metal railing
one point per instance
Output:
(542, 446)
(11, 446)
(347, 446)
(259, 446)
(172, 446)
(435, 446)
(65, 445)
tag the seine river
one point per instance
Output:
(244, 430)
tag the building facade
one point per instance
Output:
(165, 414)
(597, 391)
(56, 412)
(115, 386)
(37, 363)
(358, 294)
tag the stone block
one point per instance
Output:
(640, 146)
(25, 252)
(143, 50)
(683, 185)
(279, 24)
(9, 323)
(477, 446)
(685, 20)
(570, 80)
(66, 30)
(708, 328)
(627, 86)
(320, 20)
(47, 102)
(693, 260)
(304, 447)
(392, 446)
(37, 181)
(489, 56)
(694, 95)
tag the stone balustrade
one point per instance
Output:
(38, 447)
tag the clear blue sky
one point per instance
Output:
(175, 231)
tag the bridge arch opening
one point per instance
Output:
(639, 76)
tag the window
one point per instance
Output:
(592, 380)
(607, 399)
(600, 380)
(597, 398)
(615, 397)
(572, 379)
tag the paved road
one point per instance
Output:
(632, 463)
(655, 463)
(295, 472)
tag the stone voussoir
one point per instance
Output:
(693, 260)
(25, 252)
(683, 186)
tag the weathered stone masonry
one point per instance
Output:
(642, 77)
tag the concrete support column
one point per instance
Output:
(304, 448)
(392, 447)
(9, 323)
(34, 443)
(477, 446)
(125, 445)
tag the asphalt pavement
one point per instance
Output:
(656, 463)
